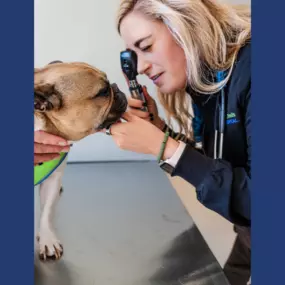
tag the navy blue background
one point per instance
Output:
(268, 167)
(16, 131)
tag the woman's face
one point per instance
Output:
(159, 56)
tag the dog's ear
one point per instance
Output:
(55, 61)
(46, 98)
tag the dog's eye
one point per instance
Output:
(104, 92)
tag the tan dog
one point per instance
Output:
(72, 100)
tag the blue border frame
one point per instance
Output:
(268, 190)
(17, 190)
(17, 196)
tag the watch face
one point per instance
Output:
(166, 167)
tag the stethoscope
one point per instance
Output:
(219, 120)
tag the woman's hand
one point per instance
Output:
(139, 135)
(151, 115)
(48, 147)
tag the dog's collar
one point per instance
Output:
(43, 171)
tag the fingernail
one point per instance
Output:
(62, 143)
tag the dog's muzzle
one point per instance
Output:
(119, 106)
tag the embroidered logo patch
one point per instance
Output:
(231, 119)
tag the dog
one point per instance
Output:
(71, 100)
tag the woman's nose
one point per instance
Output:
(143, 66)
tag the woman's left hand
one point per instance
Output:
(141, 136)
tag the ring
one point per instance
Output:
(108, 131)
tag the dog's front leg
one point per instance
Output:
(49, 245)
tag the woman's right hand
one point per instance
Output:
(151, 115)
(48, 147)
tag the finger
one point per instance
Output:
(39, 158)
(120, 127)
(112, 130)
(46, 138)
(104, 130)
(148, 98)
(135, 103)
(45, 148)
(139, 113)
(129, 117)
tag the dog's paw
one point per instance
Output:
(50, 247)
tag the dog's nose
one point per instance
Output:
(115, 88)
(121, 103)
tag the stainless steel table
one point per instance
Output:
(123, 224)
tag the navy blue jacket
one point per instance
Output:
(223, 185)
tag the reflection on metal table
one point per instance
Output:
(123, 224)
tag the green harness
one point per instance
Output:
(42, 172)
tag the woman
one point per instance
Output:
(199, 48)
(182, 46)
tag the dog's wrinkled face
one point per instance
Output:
(75, 99)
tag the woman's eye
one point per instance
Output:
(146, 48)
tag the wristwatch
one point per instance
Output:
(169, 164)
(166, 166)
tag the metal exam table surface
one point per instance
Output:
(122, 223)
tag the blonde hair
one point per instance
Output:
(210, 34)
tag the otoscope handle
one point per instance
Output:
(137, 93)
